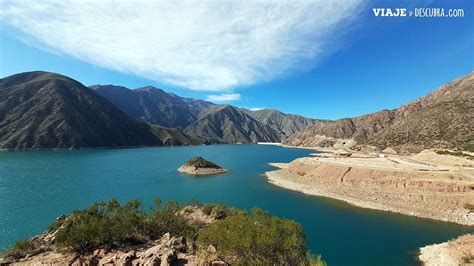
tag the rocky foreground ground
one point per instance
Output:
(426, 185)
(167, 250)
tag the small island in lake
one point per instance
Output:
(201, 166)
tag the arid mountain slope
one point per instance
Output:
(158, 107)
(47, 110)
(285, 124)
(443, 118)
(153, 105)
(228, 124)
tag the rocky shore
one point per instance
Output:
(200, 166)
(166, 250)
(459, 251)
(110, 233)
(390, 183)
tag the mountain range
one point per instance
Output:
(47, 110)
(154, 105)
(441, 119)
(211, 122)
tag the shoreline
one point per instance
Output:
(379, 188)
(137, 147)
(114, 147)
(459, 251)
(275, 179)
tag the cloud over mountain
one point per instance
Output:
(200, 45)
(226, 97)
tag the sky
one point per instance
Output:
(322, 59)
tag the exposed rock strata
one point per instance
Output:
(393, 184)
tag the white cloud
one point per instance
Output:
(201, 45)
(230, 97)
(256, 108)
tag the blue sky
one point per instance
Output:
(326, 64)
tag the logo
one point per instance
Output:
(389, 12)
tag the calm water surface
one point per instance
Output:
(37, 187)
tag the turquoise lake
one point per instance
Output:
(37, 187)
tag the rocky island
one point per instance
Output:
(201, 166)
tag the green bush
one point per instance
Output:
(52, 227)
(315, 260)
(104, 223)
(164, 220)
(219, 211)
(238, 236)
(207, 208)
(21, 249)
(469, 207)
(257, 237)
(455, 153)
(112, 225)
(301, 173)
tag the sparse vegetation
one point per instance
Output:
(315, 260)
(469, 207)
(468, 259)
(21, 248)
(216, 210)
(239, 237)
(256, 237)
(469, 147)
(455, 153)
(199, 162)
(301, 173)
(111, 224)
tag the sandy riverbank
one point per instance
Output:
(393, 183)
(459, 251)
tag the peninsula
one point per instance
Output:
(428, 185)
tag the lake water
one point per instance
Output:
(37, 187)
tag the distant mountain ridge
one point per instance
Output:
(441, 119)
(229, 124)
(47, 110)
(284, 124)
(211, 122)
(154, 105)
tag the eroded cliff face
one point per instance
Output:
(437, 194)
